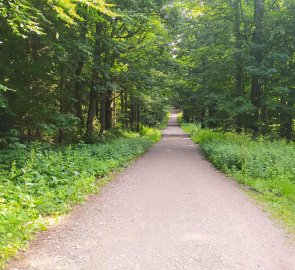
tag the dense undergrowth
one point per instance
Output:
(268, 167)
(38, 182)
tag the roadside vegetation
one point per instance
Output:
(81, 79)
(40, 182)
(266, 166)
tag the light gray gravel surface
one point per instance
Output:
(169, 210)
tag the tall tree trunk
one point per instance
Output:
(138, 116)
(78, 92)
(257, 52)
(132, 112)
(211, 114)
(286, 115)
(91, 111)
(108, 110)
(61, 106)
(95, 80)
(126, 109)
(239, 41)
(114, 112)
(264, 117)
(122, 108)
(102, 112)
(203, 116)
(78, 86)
(239, 64)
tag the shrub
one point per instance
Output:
(151, 134)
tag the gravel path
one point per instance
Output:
(169, 210)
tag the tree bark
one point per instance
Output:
(95, 80)
(138, 116)
(203, 116)
(126, 109)
(114, 112)
(78, 93)
(132, 112)
(109, 110)
(102, 112)
(257, 53)
(239, 64)
(286, 115)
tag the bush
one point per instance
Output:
(151, 134)
(42, 181)
(180, 119)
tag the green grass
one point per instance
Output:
(189, 127)
(268, 167)
(38, 182)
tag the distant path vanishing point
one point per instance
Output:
(169, 210)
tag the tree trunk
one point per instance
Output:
(78, 86)
(211, 114)
(132, 112)
(122, 109)
(114, 112)
(91, 111)
(95, 80)
(108, 110)
(257, 52)
(203, 116)
(62, 105)
(264, 118)
(78, 93)
(102, 112)
(239, 64)
(138, 116)
(286, 116)
(126, 109)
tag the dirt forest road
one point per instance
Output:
(169, 210)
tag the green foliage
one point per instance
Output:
(3, 101)
(63, 58)
(152, 134)
(180, 119)
(189, 127)
(40, 181)
(163, 124)
(264, 165)
(236, 65)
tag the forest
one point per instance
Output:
(73, 69)
(85, 86)
(238, 59)
(70, 70)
